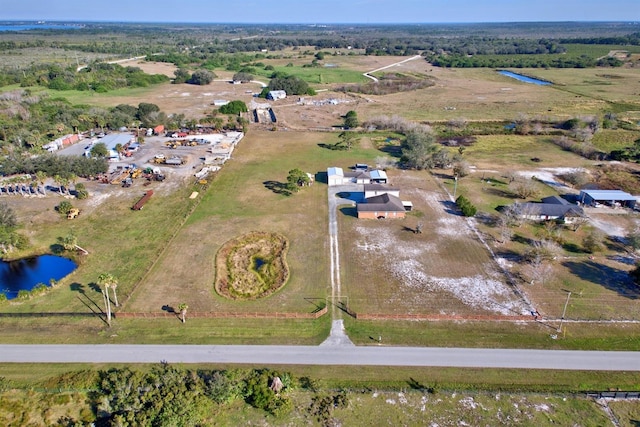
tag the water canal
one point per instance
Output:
(522, 78)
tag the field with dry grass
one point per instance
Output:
(241, 200)
(444, 270)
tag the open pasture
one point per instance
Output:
(247, 196)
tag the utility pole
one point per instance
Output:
(564, 311)
(455, 186)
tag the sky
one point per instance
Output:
(321, 11)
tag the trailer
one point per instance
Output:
(144, 199)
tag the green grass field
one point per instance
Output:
(321, 75)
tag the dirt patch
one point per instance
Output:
(152, 67)
(252, 266)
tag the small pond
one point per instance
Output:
(524, 78)
(25, 274)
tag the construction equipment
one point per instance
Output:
(127, 182)
(118, 176)
(73, 213)
(136, 173)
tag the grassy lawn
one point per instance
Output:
(612, 84)
(240, 201)
(496, 334)
(608, 140)
(320, 75)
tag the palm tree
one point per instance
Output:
(73, 178)
(183, 307)
(114, 286)
(41, 177)
(107, 304)
(109, 282)
(58, 180)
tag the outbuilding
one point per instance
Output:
(274, 95)
(613, 198)
(335, 176)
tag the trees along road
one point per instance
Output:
(323, 355)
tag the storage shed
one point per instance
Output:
(613, 198)
(335, 176)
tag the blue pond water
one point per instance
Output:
(25, 274)
(524, 78)
(23, 26)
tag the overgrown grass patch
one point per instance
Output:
(252, 266)
(608, 140)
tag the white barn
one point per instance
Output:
(335, 176)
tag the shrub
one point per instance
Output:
(465, 206)
(592, 242)
(23, 294)
(64, 207)
(234, 107)
(81, 191)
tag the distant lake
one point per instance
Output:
(524, 78)
(25, 274)
(35, 26)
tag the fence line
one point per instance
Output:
(222, 315)
(496, 318)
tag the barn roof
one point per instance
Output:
(333, 171)
(609, 195)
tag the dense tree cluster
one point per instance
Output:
(291, 84)
(98, 76)
(9, 238)
(519, 61)
(201, 77)
(168, 396)
(27, 122)
(419, 150)
(234, 107)
(53, 165)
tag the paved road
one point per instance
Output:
(324, 355)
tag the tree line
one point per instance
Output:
(520, 61)
(98, 76)
(53, 165)
(27, 121)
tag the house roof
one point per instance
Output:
(333, 171)
(548, 209)
(378, 174)
(556, 200)
(357, 174)
(379, 187)
(609, 195)
(384, 202)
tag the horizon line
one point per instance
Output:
(44, 21)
